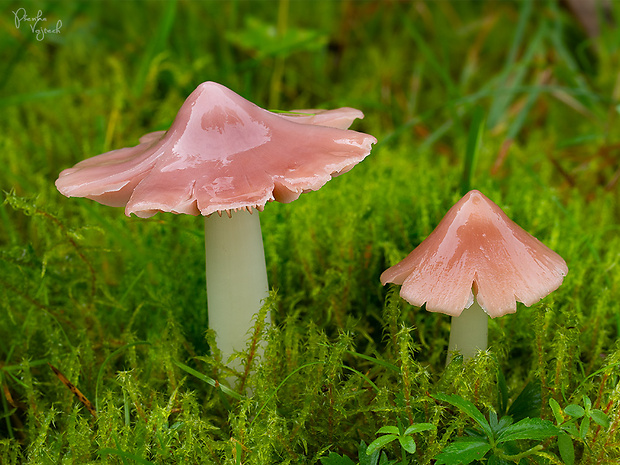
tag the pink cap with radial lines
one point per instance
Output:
(222, 153)
(477, 249)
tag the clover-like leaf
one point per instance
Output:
(380, 442)
(584, 427)
(574, 410)
(557, 411)
(600, 418)
(566, 448)
(407, 443)
(418, 427)
(571, 429)
(388, 430)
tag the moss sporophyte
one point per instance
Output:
(224, 154)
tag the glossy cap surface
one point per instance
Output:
(477, 249)
(222, 153)
(340, 118)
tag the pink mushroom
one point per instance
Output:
(224, 154)
(340, 118)
(476, 263)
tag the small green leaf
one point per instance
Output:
(388, 430)
(463, 452)
(503, 423)
(567, 450)
(364, 458)
(571, 429)
(502, 394)
(335, 459)
(584, 427)
(493, 420)
(557, 411)
(600, 418)
(467, 407)
(266, 41)
(587, 402)
(528, 402)
(529, 428)
(407, 443)
(574, 410)
(495, 460)
(418, 427)
(379, 443)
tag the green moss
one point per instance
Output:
(118, 304)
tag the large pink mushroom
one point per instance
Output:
(224, 154)
(477, 263)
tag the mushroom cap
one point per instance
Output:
(340, 118)
(477, 249)
(221, 153)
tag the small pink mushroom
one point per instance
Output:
(477, 262)
(224, 154)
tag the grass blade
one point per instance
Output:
(108, 358)
(209, 381)
(156, 44)
(474, 142)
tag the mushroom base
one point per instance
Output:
(468, 333)
(236, 278)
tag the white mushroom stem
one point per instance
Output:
(236, 278)
(468, 333)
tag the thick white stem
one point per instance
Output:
(468, 333)
(236, 277)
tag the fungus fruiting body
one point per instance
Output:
(224, 154)
(476, 263)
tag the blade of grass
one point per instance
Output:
(366, 378)
(441, 69)
(108, 358)
(209, 381)
(518, 74)
(275, 391)
(383, 363)
(436, 135)
(156, 44)
(558, 38)
(474, 143)
(431, 56)
(503, 100)
(20, 99)
(131, 286)
(519, 121)
(297, 370)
